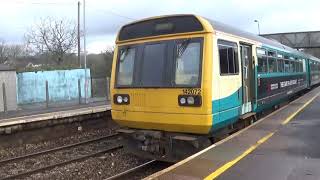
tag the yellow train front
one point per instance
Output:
(161, 85)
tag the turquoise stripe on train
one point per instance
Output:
(226, 110)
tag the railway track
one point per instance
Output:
(53, 150)
(132, 170)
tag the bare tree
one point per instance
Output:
(12, 51)
(54, 37)
(108, 57)
(3, 51)
(108, 52)
(16, 50)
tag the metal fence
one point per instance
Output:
(100, 87)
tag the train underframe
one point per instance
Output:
(173, 147)
(161, 145)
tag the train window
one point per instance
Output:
(228, 54)
(272, 53)
(188, 63)
(301, 66)
(126, 64)
(261, 51)
(286, 66)
(311, 66)
(153, 65)
(262, 64)
(297, 66)
(272, 65)
(291, 66)
(280, 65)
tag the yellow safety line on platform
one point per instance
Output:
(155, 175)
(228, 165)
(244, 154)
(299, 110)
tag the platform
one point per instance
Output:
(29, 116)
(282, 146)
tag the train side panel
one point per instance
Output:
(226, 88)
(314, 70)
(276, 84)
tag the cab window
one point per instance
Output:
(126, 65)
(188, 63)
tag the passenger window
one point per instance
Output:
(262, 64)
(272, 53)
(228, 54)
(272, 65)
(297, 66)
(291, 66)
(286, 66)
(280, 65)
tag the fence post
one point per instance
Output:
(108, 88)
(4, 93)
(47, 94)
(79, 91)
(91, 86)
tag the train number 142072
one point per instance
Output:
(191, 91)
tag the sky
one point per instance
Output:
(105, 17)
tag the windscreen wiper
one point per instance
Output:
(183, 47)
(123, 54)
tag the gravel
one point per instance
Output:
(99, 167)
(40, 146)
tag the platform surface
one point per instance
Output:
(28, 116)
(284, 145)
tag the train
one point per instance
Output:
(179, 82)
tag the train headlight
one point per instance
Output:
(189, 100)
(183, 100)
(121, 99)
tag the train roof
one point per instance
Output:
(235, 31)
(128, 33)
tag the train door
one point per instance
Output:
(247, 77)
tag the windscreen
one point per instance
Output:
(153, 65)
(174, 63)
(187, 63)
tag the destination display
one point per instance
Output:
(277, 87)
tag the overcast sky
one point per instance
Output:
(105, 17)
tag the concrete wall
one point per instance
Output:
(63, 85)
(9, 78)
